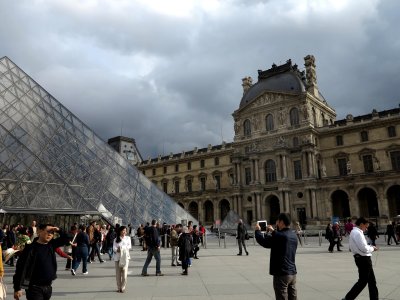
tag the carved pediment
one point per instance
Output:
(366, 151)
(341, 155)
(392, 147)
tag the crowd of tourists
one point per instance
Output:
(34, 247)
(31, 249)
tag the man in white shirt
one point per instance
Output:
(362, 255)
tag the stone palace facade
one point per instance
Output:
(289, 154)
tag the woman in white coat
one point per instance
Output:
(121, 247)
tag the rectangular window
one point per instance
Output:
(189, 185)
(176, 168)
(364, 136)
(202, 163)
(395, 158)
(391, 131)
(247, 173)
(189, 166)
(339, 140)
(342, 165)
(176, 187)
(165, 170)
(154, 172)
(216, 161)
(165, 187)
(297, 169)
(368, 164)
(217, 182)
(202, 183)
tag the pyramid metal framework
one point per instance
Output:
(50, 161)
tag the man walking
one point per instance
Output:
(37, 267)
(241, 237)
(283, 245)
(153, 249)
(362, 255)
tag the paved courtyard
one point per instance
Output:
(221, 274)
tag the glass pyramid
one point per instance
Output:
(51, 161)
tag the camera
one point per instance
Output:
(263, 225)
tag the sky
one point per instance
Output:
(168, 72)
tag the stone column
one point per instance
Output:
(314, 212)
(287, 205)
(201, 211)
(310, 164)
(257, 171)
(258, 197)
(383, 204)
(216, 210)
(282, 202)
(239, 174)
(234, 203)
(240, 206)
(284, 166)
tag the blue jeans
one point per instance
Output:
(81, 255)
(150, 253)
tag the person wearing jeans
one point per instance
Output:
(283, 245)
(81, 250)
(153, 245)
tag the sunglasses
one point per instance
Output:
(50, 231)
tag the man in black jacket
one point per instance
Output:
(283, 245)
(37, 267)
(153, 248)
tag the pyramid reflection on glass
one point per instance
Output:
(51, 161)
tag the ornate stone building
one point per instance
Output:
(289, 154)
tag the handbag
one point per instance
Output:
(3, 290)
(246, 236)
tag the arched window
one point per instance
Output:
(269, 121)
(270, 171)
(294, 116)
(247, 127)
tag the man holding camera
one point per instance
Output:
(283, 245)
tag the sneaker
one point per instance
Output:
(85, 273)
(173, 265)
(159, 274)
(73, 272)
(102, 261)
(247, 253)
(145, 274)
(184, 273)
(239, 254)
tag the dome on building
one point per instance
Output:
(284, 78)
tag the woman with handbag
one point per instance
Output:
(121, 247)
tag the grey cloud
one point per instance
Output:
(174, 82)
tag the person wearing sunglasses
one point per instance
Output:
(37, 267)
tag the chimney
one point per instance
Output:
(247, 82)
(311, 75)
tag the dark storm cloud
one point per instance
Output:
(169, 73)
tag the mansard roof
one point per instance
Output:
(285, 78)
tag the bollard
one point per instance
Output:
(320, 238)
(219, 239)
(305, 237)
(224, 240)
(254, 238)
(165, 241)
(205, 240)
